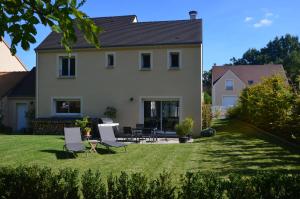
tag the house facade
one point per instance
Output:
(229, 81)
(8, 62)
(151, 72)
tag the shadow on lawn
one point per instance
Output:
(240, 149)
(60, 154)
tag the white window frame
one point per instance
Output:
(53, 104)
(169, 59)
(58, 63)
(141, 60)
(107, 60)
(232, 84)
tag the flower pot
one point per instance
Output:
(183, 139)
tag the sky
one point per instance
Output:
(230, 27)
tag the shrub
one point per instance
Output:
(207, 98)
(43, 183)
(208, 132)
(92, 185)
(185, 127)
(206, 116)
(110, 112)
(233, 112)
(268, 105)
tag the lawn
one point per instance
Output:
(236, 148)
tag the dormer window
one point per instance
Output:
(229, 84)
(250, 82)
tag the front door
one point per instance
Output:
(161, 114)
(21, 116)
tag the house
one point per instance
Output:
(229, 81)
(17, 98)
(8, 62)
(149, 71)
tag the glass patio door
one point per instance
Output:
(163, 115)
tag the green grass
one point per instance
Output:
(236, 148)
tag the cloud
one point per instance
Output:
(248, 19)
(269, 14)
(263, 23)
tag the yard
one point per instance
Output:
(236, 148)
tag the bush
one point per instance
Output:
(208, 132)
(185, 127)
(110, 112)
(206, 116)
(43, 183)
(269, 105)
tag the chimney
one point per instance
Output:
(193, 14)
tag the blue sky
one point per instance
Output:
(230, 27)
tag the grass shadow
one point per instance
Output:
(60, 155)
(104, 151)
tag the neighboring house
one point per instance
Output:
(229, 81)
(8, 62)
(17, 97)
(149, 71)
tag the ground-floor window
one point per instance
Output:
(163, 115)
(65, 106)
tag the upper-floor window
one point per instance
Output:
(229, 84)
(110, 60)
(145, 60)
(174, 59)
(250, 82)
(67, 66)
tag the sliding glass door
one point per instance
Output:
(161, 114)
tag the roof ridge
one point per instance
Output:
(176, 20)
(112, 16)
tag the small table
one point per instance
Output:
(93, 144)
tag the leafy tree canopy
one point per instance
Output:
(282, 50)
(18, 19)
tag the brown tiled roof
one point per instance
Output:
(121, 31)
(25, 87)
(248, 72)
(8, 80)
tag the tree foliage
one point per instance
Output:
(207, 81)
(271, 105)
(19, 18)
(282, 50)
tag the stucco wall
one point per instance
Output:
(218, 90)
(99, 87)
(8, 62)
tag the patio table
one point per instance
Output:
(93, 144)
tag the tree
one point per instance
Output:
(207, 81)
(18, 19)
(284, 50)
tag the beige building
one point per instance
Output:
(8, 62)
(229, 81)
(151, 72)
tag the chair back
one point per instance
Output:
(127, 130)
(139, 126)
(106, 132)
(72, 135)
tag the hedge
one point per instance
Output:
(36, 182)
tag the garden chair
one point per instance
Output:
(73, 141)
(108, 138)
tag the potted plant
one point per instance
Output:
(184, 129)
(83, 126)
(110, 112)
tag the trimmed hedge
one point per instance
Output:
(43, 183)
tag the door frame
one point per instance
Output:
(159, 98)
(17, 114)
